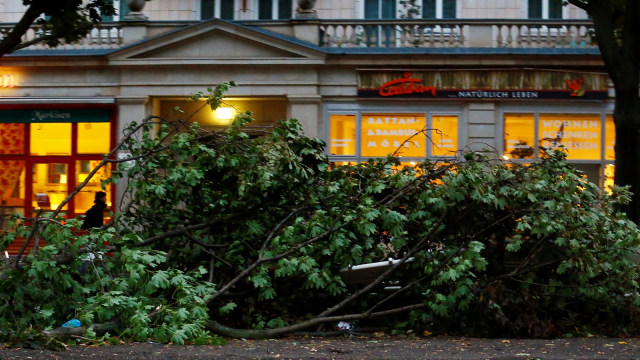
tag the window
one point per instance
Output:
(92, 139)
(285, 9)
(50, 138)
(444, 139)
(380, 9)
(343, 135)
(545, 9)
(555, 9)
(410, 135)
(222, 9)
(84, 199)
(588, 138)
(109, 18)
(439, 9)
(384, 134)
(267, 9)
(124, 9)
(207, 9)
(45, 153)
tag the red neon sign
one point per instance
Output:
(405, 85)
(7, 81)
(576, 87)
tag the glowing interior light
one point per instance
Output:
(224, 113)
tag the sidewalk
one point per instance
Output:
(369, 347)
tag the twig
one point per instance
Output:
(28, 240)
(185, 229)
(267, 333)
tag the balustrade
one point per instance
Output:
(395, 33)
(456, 33)
(106, 36)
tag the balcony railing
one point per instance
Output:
(107, 36)
(401, 33)
(392, 33)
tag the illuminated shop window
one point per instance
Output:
(50, 138)
(85, 198)
(579, 134)
(399, 134)
(49, 185)
(94, 138)
(343, 135)
(444, 136)
(412, 136)
(41, 161)
(609, 171)
(586, 139)
(519, 136)
(609, 139)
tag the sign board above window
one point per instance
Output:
(54, 115)
(483, 85)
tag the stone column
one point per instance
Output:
(130, 108)
(134, 25)
(306, 30)
(306, 108)
(482, 129)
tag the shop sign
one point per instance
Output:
(7, 81)
(54, 115)
(405, 86)
(484, 85)
(580, 136)
(383, 134)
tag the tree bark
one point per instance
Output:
(627, 149)
(10, 42)
(65, 333)
(616, 29)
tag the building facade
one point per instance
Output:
(370, 77)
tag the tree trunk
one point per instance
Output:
(616, 31)
(14, 38)
(627, 120)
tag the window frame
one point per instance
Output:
(275, 13)
(358, 110)
(536, 111)
(70, 160)
(438, 9)
(218, 10)
(545, 10)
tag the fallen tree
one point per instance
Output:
(224, 233)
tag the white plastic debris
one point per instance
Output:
(343, 325)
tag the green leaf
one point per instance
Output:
(160, 280)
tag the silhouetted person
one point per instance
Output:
(95, 216)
